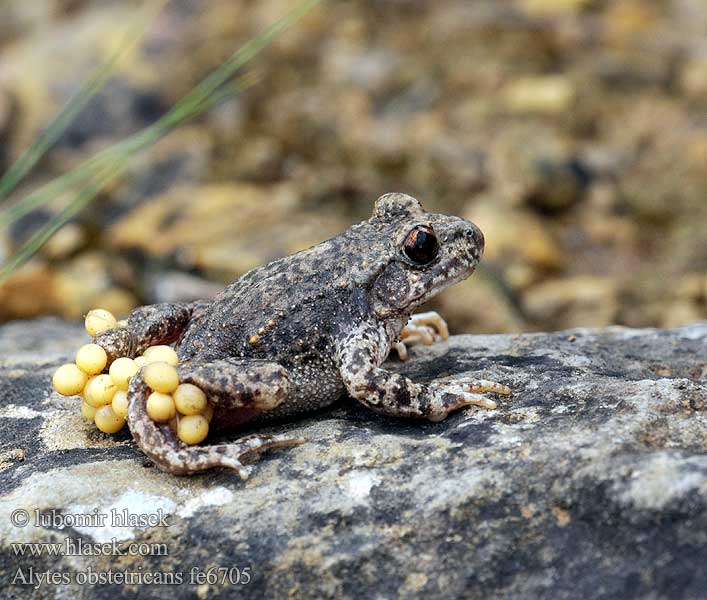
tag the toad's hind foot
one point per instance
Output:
(230, 455)
(461, 391)
(480, 386)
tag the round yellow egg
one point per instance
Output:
(161, 377)
(140, 361)
(160, 407)
(69, 380)
(189, 399)
(208, 412)
(193, 429)
(120, 404)
(91, 359)
(99, 390)
(98, 320)
(161, 354)
(122, 370)
(88, 411)
(107, 421)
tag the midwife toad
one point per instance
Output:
(295, 334)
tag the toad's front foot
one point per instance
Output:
(423, 328)
(451, 395)
(394, 394)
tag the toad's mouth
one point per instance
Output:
(448, 271)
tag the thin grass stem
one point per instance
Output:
(78, 101)
(42, 236)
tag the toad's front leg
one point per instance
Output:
(250, 387)
(395, 395)
(148, 326)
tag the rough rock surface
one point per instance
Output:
(591, 482)
(576, 126)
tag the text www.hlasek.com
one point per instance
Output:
(78, 547)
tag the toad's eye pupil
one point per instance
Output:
(421, 245)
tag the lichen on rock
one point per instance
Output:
(590, 481)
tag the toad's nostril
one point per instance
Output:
(475, 235)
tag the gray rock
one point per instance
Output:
(590, 482)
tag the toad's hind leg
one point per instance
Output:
(256, 386)
(149, 326)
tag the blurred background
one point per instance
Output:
(573, 132)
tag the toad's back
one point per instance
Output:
(288, 310)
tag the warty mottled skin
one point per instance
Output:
(296, 334)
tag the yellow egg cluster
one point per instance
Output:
(183, 406)
(105, 394)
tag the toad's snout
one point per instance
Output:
(474, 235)
(472, 239)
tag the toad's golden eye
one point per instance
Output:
(421, 245)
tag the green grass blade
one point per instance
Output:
(38, 239)
(110, 170)
(238, 59)
(189, 107)
(75, 104)
(119, 151)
